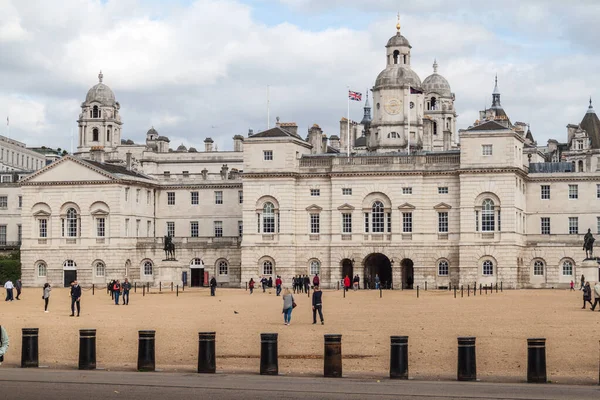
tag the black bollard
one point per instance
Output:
(462, 294)
(268, 354)
(417, 291)
(134, 287)
(536, 360)
(399, 357)
(146, 354)
(206, 353)
(177, 290)
(93, 289)
(183, 287)
(454, 291)
(29, 348)
(486, 290)
(246, 286)
(332, 364)
(496, 287)
(480, 287)
(160, 286)
(468, 290)
(87, 349)
(467, 366)
(380, 292)
(144, 290)
(500, 285)
(338, 285)
(425, 285)
(344, 292)
(171, 286)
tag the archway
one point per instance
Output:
(197, 272)
(408, 273)
(378, 264)
(347, 268)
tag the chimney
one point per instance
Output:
(324, 144)
(334, 141)
(97, 154)
(291, 127)
(208, 144)
(128, 161)
(314, 138)
(238, 143)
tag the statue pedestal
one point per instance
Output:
(169, 271)
(590, 270)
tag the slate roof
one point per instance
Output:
(489, 126)
(276, 132)
(115, 169)
(591, 124)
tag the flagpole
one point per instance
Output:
(7, 128)
(408, 115)
(268, 109)
(348, 131)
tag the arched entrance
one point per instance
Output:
(378, 264)
(69, 272)
(408, 273)
(347, 268)
(197, 272)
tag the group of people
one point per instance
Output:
(289, 304)
(587, 294)
(10, 287)
(118, 289)
(301, 284)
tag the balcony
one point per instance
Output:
(394, 161)
(185, 242)
(4, 245)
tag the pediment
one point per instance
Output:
(314, 207)
(68, 169)
(346, 207)
(99, 212)
(442, 206)
(406, 206)
(41, 213)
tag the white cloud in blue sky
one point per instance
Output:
(195, 69)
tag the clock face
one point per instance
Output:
(412, 105)
(393, 106)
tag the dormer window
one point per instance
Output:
(96, 113)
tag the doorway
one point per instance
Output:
(377, 265)
(70, 275)
(347, 268)
(197, 277)
(408, 273)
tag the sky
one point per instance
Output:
(194, 69)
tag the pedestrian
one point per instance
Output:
(126, 287)
(317, 305)
(356, 282)
(346, 283)
(111, 290)
(377, 282)
(573, 285)
(596, 295)
(288, 306)
(270, 282)
(316, 280)
(264, 283)
(278, 285)
(213, 286)
(75, 298)
(18, 286)
(582, 282)
(8, 285)
(3, 343)
(46, 295)
(306, 283)
(117, 291)
(587, 295)
(251, 285)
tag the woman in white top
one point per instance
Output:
(3, 343)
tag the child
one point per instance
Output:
(572, 285)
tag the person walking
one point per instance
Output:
(75, 298)
(4, 342)
(46, 295)
(572, 285)
(270, 282)
(582, 282)
(377, 282)
(117, 291)
(18, 286)
(306, 283)
(264, 283)
(8, 285)
(251, 285)
(126, 287)
(317, 305)
(213, 286)
(587, 295)
(346, 283)
(596, 295)
(111, 290)
(288, 306)
(316, 280)
(356, 282)
(278, 285)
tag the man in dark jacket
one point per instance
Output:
(213, 286)
(264, 281)
(126, 286)
(306, 283)
(75, 298)
(18, 286)
(317, 305)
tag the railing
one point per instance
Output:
(419, 159)
(225, 240)
(9, 245)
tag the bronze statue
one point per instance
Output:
(169, 248)
(588, 244)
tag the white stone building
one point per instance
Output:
(415, 201)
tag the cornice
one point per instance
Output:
(202, 186)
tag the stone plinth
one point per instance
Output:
(590, 270)
(169, 271)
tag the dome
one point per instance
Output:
(101, 93)
(192, 150)
(437, 83)
(398, 40)
(181, 148)
(398, 75)
(152, 131)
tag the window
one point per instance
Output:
(100, 227)
(148, 196)
(19, 233)
(218, 197)
(315, 225)
(126, 194)
(573, 192)
(267, 268)
(443, 222)
(43, 227)
(366, 222)
(487, 216)
(377, 221)
(126, 227)
(545, 192)
(598, 224)
(42, 271)
(148, 268)
(393, 135)
(72, 221)
(166, 174)
(240, 228)
(69, 264)
(406, 190)
(443, 268)
(194, 229)
(545, 225)
(443, 190)
(315, 192)
(100, 269)
(315, 267)
(20, 202)
(186, 174)
(486, 149)
(567, 268)
(194, 196)
(346, 191)
(240, 196)
(488, 268)
(268, 218)
(171, 228)
(148, 228)
(223, 267)
(137, 195)
(598, 191)
(171, 198)
(95, 112)
(218, 228)
(573, 225)
(3, 201)
(95, 135)
(2, 234)
(137, 227)
(538, 268)
(347, 223)
(407, 225)
(268, 155)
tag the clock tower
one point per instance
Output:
(397, 101)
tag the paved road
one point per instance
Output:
(25, 384)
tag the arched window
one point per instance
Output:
(433, 103)
(443, 268)
(108, 135)
(95, 135)
(538, 268)
(488, 268)
(148, 268)
(315, 267)
(405, 58)
(377, 217)
(72, 222)
(223, 267)
(268, 218)
(100, 269)
(69, 264)
(488, 221)
(42, 270)
(95, 112)
(197, 262)
(567, 268)
(396, 54)
(267, 268)
(393, 135)
(580, 165)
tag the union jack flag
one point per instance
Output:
(354, 95)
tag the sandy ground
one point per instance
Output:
(501, 322)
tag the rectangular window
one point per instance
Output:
(443, 190)
(573, 225)
(598, 191)
(315, 192)
(538, 268)
(43, 227)
(2, 234)
(186, 174)
(194, 229)
(240, 196)
(443, 222)
(218, 228)
(346, 191)
(567, 268)
(20, 203)
(137, 227)
(100, 227)
(268, 155)
(366, 222)
(126, 226)
(171, 198)
(315, 225)
(488, 268)
(573, 192)
(486, 149)
(137, 195)
(148, 196)
(476, 221)
(171, 229)
(240, 228)
(407, 225)
(126, 194)
(389, 222)
(148, 228)
(406, 190)
(347, 223)
(166, 174)
(219, 197)
(194, 198)
(19, 232)
(3, 201)
(545, 225)
(545, 192)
